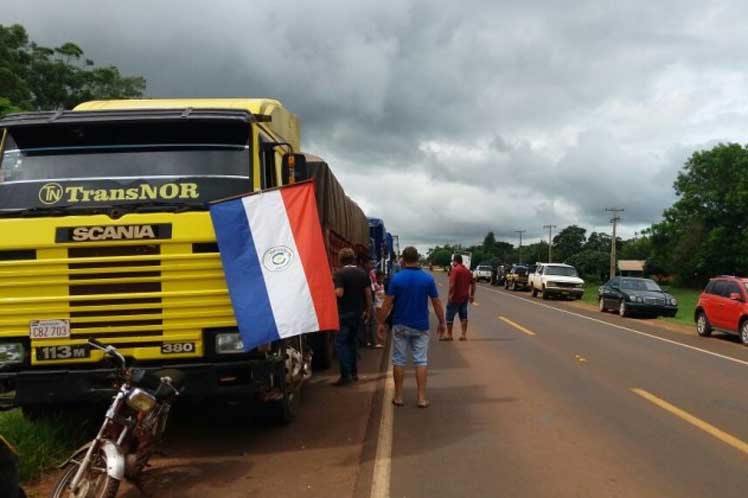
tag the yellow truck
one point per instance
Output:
(105, 233)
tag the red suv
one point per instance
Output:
(723, 306)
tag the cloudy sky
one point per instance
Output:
(450, 119)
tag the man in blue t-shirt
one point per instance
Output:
(409, 293)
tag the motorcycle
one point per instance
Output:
(132, 430)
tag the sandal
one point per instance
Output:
(463, 338)
(424, 404)
(398, 403)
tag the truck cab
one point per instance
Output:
(109, 237)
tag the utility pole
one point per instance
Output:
(614, 220)
(519, 256)
(550, 240)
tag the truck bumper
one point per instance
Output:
(230, 379)
(565, 292)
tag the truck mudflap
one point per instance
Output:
(228, 379)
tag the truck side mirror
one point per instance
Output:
(294, 168)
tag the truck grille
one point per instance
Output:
(135, 295)
(105, 278)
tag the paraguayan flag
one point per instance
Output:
(275, 263)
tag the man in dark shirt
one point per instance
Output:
(461, 290)
(353, 288)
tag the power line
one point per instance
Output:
(519, 255)
(550, 240)
(614, 220)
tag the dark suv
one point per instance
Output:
(723, 306)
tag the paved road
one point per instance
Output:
(565, 402)
(545, 400)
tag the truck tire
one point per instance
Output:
(323, 347)
(284, 411)
(534, 291)
(544, 294)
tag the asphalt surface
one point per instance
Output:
(591, 405)
(545, 399)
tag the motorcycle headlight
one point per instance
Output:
(12, 353)
(229, 343)
(141, 400)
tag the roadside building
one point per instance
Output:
(631, 267)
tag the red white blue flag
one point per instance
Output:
(275, 263)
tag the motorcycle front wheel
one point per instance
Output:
(94, 484)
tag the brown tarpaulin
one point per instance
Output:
(337, 211)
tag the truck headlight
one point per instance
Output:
(140, 400)
(229, 343)
(12, 353)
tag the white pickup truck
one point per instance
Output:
(556, 279)
(483, 272)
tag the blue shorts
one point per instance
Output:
(404, 338)
(454, 308)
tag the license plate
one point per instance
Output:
(49, 329)
(51, 353)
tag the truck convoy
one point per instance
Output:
(106, 235)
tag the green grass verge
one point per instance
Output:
(686, 301)
(41, 443)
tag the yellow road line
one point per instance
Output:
(516, 325)
(695, 421)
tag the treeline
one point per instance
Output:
(704, 233)
(35, 77)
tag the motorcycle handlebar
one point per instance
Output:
(109, 350)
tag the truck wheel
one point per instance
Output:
(544, 294)
(284, 410)
(513, 286)
(534, 292)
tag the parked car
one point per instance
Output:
(723, 306)
(483, 273)
(516, 279)
(556, 280)
(641, 296)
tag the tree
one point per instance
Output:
(33, 77)
(568, 242)
(591, 264)
(704, 232)
(440, 257)
(489, 244)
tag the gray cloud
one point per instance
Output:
(451, 119)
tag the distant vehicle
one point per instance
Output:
(483, 273)
(499, 275)
(556, 280)
(723, 306)
(516, 279)
(640, 296)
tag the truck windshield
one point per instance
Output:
(112, 150)
(561, 271)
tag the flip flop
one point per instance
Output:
(463, 338)
(450, 338)
(444, 338)
(425, 404)
(398, 403)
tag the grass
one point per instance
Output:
(686, 301)
(41, 444)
